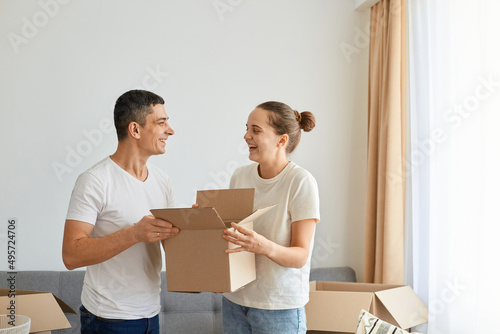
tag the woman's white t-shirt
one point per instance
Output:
(127, 286)
(295, 192)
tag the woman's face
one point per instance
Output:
(263, 143)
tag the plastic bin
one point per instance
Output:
(14, 324)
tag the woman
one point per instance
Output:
(282, 239)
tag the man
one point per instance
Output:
(110, 229)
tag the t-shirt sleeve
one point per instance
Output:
(87, 199)
(304, 203)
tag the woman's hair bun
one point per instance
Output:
(306, 120)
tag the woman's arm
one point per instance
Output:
(294, 256)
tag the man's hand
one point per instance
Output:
(150, 229)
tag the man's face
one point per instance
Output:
(156, 131)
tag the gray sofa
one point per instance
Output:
(180, 312)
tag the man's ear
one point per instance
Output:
(134, 130)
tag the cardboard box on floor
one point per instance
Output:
(335, 306)
(45, 310)
(195, 258)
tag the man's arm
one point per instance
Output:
(79, 250)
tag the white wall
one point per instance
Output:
(63, 64)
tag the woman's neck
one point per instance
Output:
(268, 171)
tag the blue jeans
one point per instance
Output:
(92, 324)
(240, 319)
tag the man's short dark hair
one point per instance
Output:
(134, 106)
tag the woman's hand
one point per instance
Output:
(247, 240)
(294, 256)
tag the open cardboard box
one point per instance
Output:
(45, 310)
(335, 306)
(195, 258)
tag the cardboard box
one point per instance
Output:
(45, 310)
(335, 306)
(195, 258)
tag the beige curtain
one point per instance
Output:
(384, 247)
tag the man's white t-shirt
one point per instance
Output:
(126, 286)
(295, 192)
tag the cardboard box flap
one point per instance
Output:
(191, 218)
(231, 204)
(5, 292)
(64, 307)
(45, 318)
(404, 306)
(256, 214)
